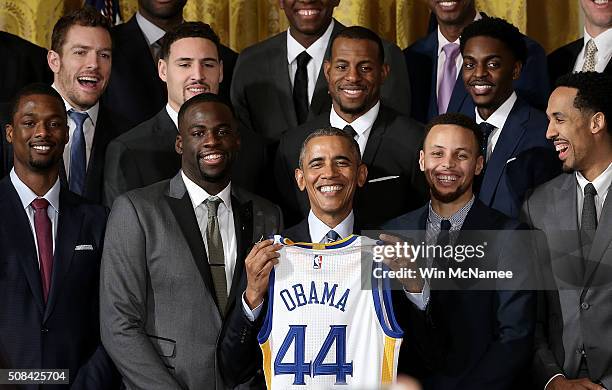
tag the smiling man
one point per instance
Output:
(517, 154)
(388, 142)
(173, 268)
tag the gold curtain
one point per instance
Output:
(241, 23)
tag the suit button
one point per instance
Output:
(584, 306)
(44, 330)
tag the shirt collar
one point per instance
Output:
(318, 229)
(27, 196)
(456, 220)
(92, 112)
(601, 183)
(316, 50)
(151, 32)
(442, 39)
(198, 195)
(172, 114)
(603, 42)
(499, 117)
(361, 124)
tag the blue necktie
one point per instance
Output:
(78, 161)
(331, 236)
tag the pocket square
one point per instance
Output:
(510, 160)
(385, 178)
(84, 248)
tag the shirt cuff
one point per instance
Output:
(550, 380)
(420, 300)
(252, 315)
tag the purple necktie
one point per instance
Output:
(44, 238)
(449, 76)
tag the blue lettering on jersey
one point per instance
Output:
(298, 296)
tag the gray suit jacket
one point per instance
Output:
(578, 312)
(159, 319)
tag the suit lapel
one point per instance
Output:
(376, 134)
(137, 43)
(243, 228)
(601, 241)
(509, 138)
(565, 204)
(320, 98)
(432, 48)
(459, 98)
(282, 82)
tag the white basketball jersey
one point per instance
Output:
(326, 327)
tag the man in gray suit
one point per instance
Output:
(574, 330)
(173, 268)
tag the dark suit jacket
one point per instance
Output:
(64, 333)
(422, 62)
(522, 159)
(562, 61)
(146, 154)
(135, 90)
(299, 232)
(262, 94)
(466, 339)
(22, 63)
(392, 150)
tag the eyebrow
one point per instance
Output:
(193, 59)
(78, 46)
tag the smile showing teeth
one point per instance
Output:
(447, 4)
(197, 89)
(87, 79)
(482, 88)
(326, 189)
(352, 91)
(212, 157)
(447, 178)
(41, 148)
(600, 2)
(308, 12)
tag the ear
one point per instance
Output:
(479, 165)
(362, 175)
(220, 71)
(326, 68)
(598, 123)
(54, 61)
(384, 72)
(299, 179)
(9, 133)
(516, 70)
(162, 70)
(178, 145)
(422, 161)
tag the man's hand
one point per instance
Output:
(260, 261)
(562, 383)
(413, 284)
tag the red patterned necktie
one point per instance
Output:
(44, 238)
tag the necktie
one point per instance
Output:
(449, 76)
(589, 58)
(78, 161)
(588, 221)
(331, 236)
(156, 50)
(216, 257)
(486, 129)
(44, 238)
(444, 235)
(349, 130)
(300, 87)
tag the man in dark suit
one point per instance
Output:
(23, 63)
(80, 58)
(461, 338)
(574, 210)
(517, 154)
(592, 52)
(272, 92)
(172, 279)
(427, 65)
(135, 90)
(388, 141)
(50, 248)
(189, 65)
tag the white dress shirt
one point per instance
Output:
(604, 51)
(442, 56)
(89, 130)
(318, 229)
(27, 196)
(316, 52)
(602, 185)
(497, 119)
(362, 125)
(172, 114)
(151, 32)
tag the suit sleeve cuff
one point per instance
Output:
(420, 300)
(252, 315)
(550, 380)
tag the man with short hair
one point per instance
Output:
(573, 210)
(434, 79)
(173, 279)
(388, 142)
(516, 153)
(135, 91)
(50, 248)
(592, 52)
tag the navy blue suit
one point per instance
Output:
(64, 333)
(467, 340)
(522, 159)
(422, 62)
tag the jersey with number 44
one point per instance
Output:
(326, 325)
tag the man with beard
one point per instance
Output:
(135, 91)
(473, 339)
(50, 248)
(437, 82)
(517, 155)
(574, 331)
(189, 65)
(388, 142)
(173, 267)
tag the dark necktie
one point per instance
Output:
(44, 238)
(300, 87)
(331, 236)
(350, 131)
(486, 129)
(588, 221)
(78, 161)
(216, 256)
(156, 50)
(444, 236)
